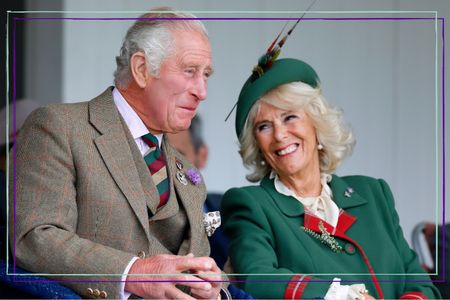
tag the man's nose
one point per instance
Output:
(199, 88)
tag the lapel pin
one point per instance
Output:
(181, 178)
(192, 174)
(348, 192)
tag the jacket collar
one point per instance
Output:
(344, 195)
(103, 114)
(190, 195)
(114, 144)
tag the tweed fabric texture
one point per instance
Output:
(84, 197)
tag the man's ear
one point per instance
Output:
(139, 69)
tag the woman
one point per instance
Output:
(303, 231)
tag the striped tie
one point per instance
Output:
(157, 166)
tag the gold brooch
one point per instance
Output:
(325, 238)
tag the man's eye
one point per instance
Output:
(190, 71)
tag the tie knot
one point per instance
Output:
(151, 140)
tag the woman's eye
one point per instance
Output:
(290, 117)
(262, 127)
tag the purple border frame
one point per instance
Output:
(14, 150)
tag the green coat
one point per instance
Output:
(268, 243)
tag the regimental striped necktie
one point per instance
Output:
(156, 163)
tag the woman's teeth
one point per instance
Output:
(287, 150)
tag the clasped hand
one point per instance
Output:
(200, 274)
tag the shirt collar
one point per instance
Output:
(321, 206)
(131, 118)
(283, 189)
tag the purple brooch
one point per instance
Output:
(194, 176)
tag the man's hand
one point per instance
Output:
(213, 276)
(175, 270)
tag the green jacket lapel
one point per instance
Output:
(292, 208)
(344, 195)
(288, 205)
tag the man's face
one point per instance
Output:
(172, 98)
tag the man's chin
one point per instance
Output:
(185, 122)
(182, 126)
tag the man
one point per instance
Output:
(190, 143)
(100, 196)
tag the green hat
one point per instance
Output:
(282, 71)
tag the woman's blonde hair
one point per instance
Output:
(333, 134)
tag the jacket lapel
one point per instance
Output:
(292, 208)
(116, 146)
(288, 205)
(344, 195)
(190, 195)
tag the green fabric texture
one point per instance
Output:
(268, 244)
(282, 71)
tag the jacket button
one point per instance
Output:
(90, 291)
(141, 254)
(103, 294)
(96, 292)
(349, 248)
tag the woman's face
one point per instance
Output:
(287, 140)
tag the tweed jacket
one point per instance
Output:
(83, 200)
(268, 242)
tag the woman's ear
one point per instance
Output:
(139, 69)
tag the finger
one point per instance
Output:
(175, 293)
(200, 294)
(209, 276)
(194, 264)
(193, 282)
(212, 294)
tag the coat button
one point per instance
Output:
(103, 295)
(96, 292)
(90, 291)
(141, 254)
(349, 248)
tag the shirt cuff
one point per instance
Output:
(123, 294)
(347, 292)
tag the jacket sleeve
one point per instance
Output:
(43, 212)
(417, 283)
(252, 252)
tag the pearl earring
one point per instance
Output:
(319, 146)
